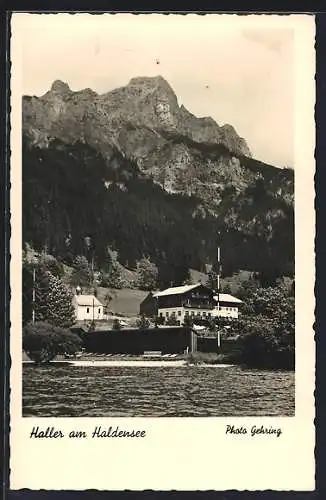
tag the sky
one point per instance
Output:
(233, 68)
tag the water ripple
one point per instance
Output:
(71, 391)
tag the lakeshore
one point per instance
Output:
(99, 363)
(117, 363)
(150, 360)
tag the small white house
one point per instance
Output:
(226, 306)
(87, 307)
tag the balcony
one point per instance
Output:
(198, 306)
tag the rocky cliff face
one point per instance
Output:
(144, 122)
(146, 108)
(135, 135)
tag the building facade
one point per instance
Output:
(180, 302)
(226, 306)
(148, 306)
(194, 301)
(88, 308)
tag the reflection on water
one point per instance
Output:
(72, 391)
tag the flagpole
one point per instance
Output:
(33, 297)
(218, 291)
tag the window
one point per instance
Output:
(204, 313)
(99, 310)
(187, 313)
(167, 314)
(87, 310)
(161, 315)
(209, 314)
(179, 313)
(192, 313)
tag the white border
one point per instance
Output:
(182, 453)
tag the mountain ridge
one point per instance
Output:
(137, 137)
(151, 101)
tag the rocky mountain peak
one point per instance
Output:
(150, 81)
(59, 87)
(155, 89)
(138, 132)
(229, 129)
(141, 120)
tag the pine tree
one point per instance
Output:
(42, 289)
(212, 279)
(61, 310)
(53, 301)
(114, 277)
(27, 290)
(147, 274)
(82, 274)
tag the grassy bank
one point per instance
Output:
(208, 358)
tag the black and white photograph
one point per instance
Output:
(158, 220)
(158, 213)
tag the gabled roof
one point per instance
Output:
(176, 290)
(87, 300)
(226, 297)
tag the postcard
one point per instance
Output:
(162, 252)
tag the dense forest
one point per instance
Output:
(76, 203)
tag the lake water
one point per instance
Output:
(183, 391)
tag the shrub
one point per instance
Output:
(188, 322)
(211, 358)
(116, 325)
(266, 351)
(43, 341)
(172, 321)
(143, 323)
(159, 320)
(92, 326)
(267, 329)
(50, 263)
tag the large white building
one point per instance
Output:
(194, 301)
(87, 307)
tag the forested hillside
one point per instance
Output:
(75, 202)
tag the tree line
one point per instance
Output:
(75, 204)
(264, 333)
